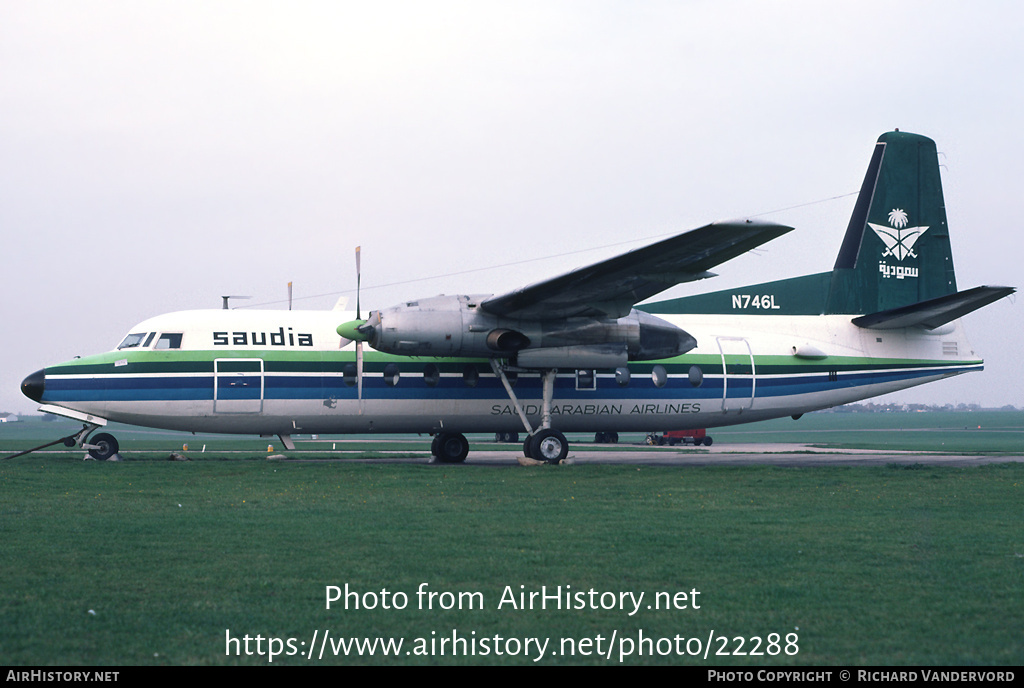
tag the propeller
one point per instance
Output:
(359, 342)
(357, 331)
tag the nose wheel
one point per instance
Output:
(102, 446)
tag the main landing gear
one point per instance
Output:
(450, 447)
(545, 443)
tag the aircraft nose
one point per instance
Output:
(33, 385)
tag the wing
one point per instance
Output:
(611, 288)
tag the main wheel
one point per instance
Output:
(450, 447)
(105, 446)
(549, 445)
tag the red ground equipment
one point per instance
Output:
(673, 437)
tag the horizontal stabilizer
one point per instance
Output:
(933, 312)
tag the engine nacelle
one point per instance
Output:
(582, 356)
(456, 326)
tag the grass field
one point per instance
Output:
(977, 432)
(149, 561)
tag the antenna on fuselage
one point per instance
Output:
(226, 307)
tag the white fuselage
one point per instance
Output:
(287, 372)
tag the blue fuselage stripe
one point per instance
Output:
(313, 387)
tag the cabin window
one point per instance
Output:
(696, 376)
(431, 375)
(470, 375)
(659, 375)
(169, 340)
(350, 373)
(135, 340)
(622, 376)
(391, 374)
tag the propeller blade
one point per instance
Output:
(359, 337)
(359, 374)
(358, 280)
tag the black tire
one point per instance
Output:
(549, 446)
(707, 441)
(613, 437)
(105, 446)
(452, 447)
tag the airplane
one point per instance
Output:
(577, 353)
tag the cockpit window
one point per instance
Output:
(169, 340)
(135, 340)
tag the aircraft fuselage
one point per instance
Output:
(287, 372)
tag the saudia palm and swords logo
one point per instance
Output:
(899, 243)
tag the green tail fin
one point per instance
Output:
(896, 250)
(895, 266)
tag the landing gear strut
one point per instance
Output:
(545, 443)
(101, 447)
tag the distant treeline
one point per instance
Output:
(871, 407)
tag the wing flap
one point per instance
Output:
(612, 287)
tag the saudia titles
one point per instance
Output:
(899, 243)
(279, 338)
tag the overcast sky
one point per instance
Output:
(156, 155)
